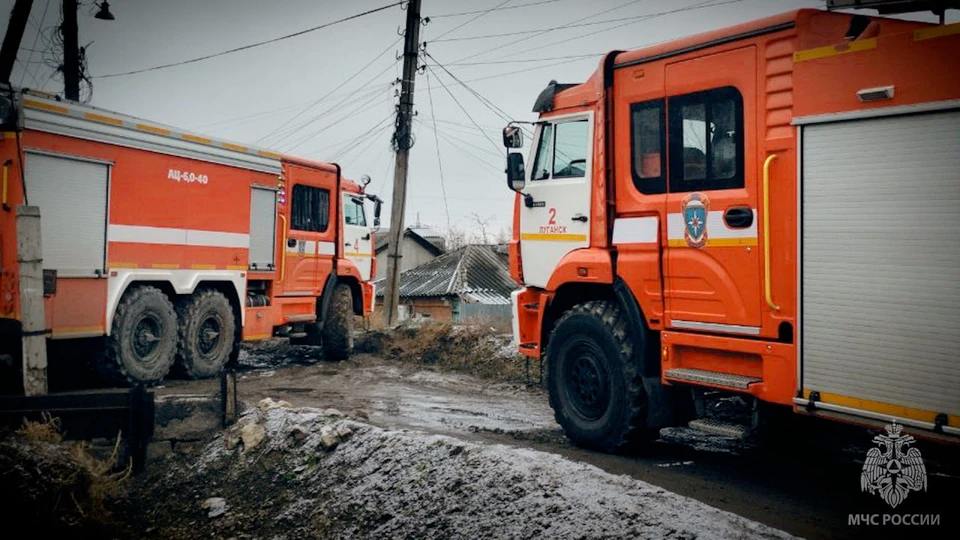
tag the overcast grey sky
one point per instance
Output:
(269, 95)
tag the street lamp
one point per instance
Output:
(104, 13)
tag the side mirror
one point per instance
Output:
(516, 176)
(512, 137)
(377, 205)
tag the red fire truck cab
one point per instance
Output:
(768, 209)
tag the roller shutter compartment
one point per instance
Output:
(880, 263)
(263, 214)
(72, 196)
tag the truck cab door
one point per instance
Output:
(555, 219)
(308, 248)
(712, 261)
(357, 240)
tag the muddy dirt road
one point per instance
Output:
(806, 484)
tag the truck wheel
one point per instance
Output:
(338, 327)
(207, 334)
(143, 338)
(595, 387)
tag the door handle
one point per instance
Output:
(530, 202)
(579, 217)
(365, 237)
(738, 217)
(347, 244)
(291, 242)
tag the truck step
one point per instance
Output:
(714, 426)
(715, 378)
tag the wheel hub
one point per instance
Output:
(587, 379)
(146, 335)
(209, 335)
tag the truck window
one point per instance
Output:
(646, 131)
(353, 212)
(706, 140)
(311, 208)
(541, 164)
(570, 149)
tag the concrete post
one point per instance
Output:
(32, 317)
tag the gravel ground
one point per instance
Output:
(293, 473)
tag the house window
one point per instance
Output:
(706, 140)
(646, 133)
(311, 208)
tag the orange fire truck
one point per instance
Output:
(769, 209)
(168, 246)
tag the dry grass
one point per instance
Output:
(58, 485)
(46, 431)
(474, 349)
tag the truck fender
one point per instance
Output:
(176, 281)
(348, 273)
(587, 265)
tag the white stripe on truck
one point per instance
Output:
(179, 237)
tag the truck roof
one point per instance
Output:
(47, 113)
(591, 90)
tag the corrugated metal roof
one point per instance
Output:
(383, 240)
(475, 273)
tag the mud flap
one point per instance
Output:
(664, 406)
(324, 305)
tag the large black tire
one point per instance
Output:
(143, 338)
(338, 326)
(207, 335)
(595, 385)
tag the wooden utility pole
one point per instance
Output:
(401, 143)
(11, 41)
(71, 51)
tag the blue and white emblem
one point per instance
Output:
(696, 206)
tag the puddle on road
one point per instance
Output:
(401, 397)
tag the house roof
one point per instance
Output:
(383, 240)
(474, 272)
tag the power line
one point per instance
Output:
(249, 46)
(351, 114)
(461, 124)
(336, 107)
(538, 33)
(33, 48)
(364, 148)
(528, 60)
(486, 102)
(693, 7)
(490, 105)
(436, 140)
(480, 14)
(540, 30)
(246, 117)
(482, 149)
(328, 94)
(447, 138)
(352, 143)
(461, 13)
(462, 108)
